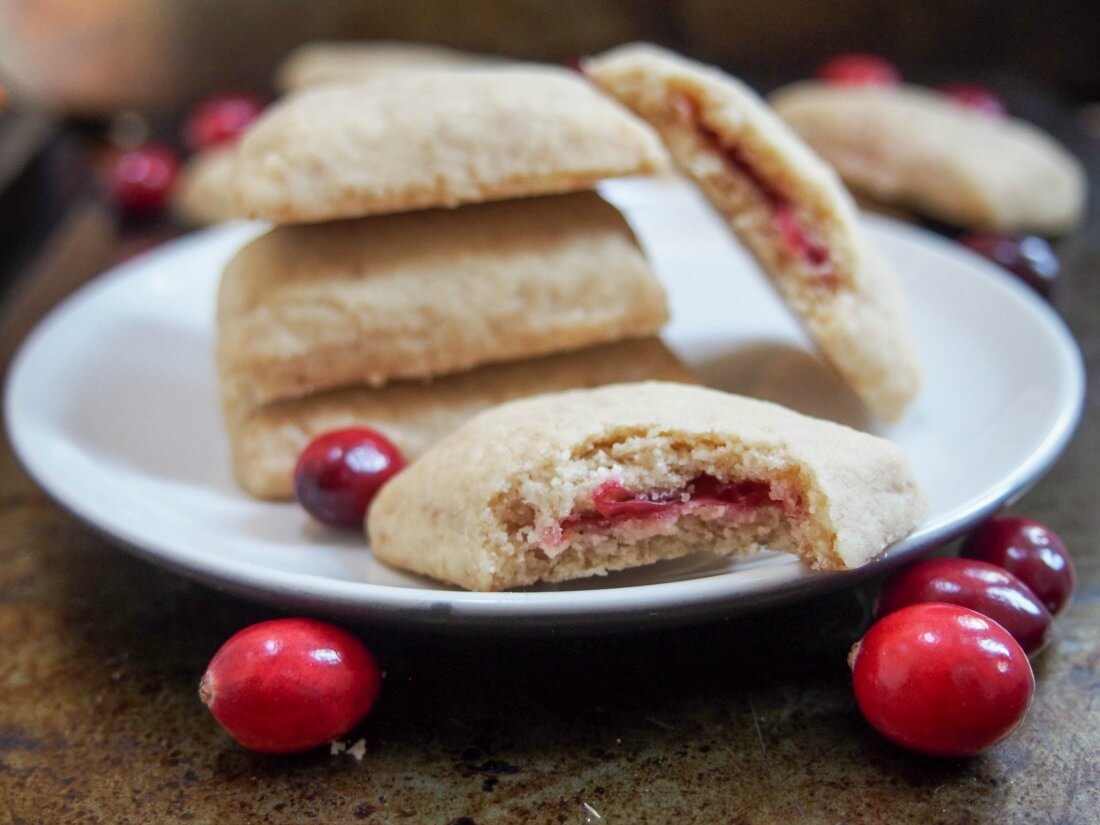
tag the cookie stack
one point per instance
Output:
(437, 250)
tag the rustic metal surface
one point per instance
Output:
(744, 721)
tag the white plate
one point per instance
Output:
(112, 406)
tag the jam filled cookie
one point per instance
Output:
(920, 149)
(428, 139)
(323, 63)
(309, 308)
(785, 205)
(580, 483)
(266, 442)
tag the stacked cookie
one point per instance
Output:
(437, 251)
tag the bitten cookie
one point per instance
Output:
(785, 205)
(266, 442)
(917, 148)
(579, 483)
(308, 308)
(429, 139)
(323, 62)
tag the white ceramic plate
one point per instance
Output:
(112, 406)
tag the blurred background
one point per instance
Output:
(82, 82)
(95, 57)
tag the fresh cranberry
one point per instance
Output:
(976, 98)
(1030, 551)
(859, 70)
(221, 119)
(1029, 257)
(289, 685)
(941, 679)
(986, 588)
(140, 180)
(339, 473)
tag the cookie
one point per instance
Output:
(204, 192)
(324, 62)
(432, 139)
(579, 483)
(266, 442)
(785, 205)
(308, 308)
(916, 148)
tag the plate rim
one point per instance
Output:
(658, 602)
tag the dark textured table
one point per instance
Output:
(747, 720)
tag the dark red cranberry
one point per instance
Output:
(1029, 550)
(221, 119)
(140, 181)
(859, 70)
(941, 680)
(976, 98)
(986, 588)
(339, 473)
(1030, 258)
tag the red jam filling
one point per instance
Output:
(616, 504)
(799, 239)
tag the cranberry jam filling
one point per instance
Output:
(799, 239)
(615, 504)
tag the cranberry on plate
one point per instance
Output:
(859, 70)
(140, 180)
(941, 680)
(983, 587)
(1029, 257)
(1029, 550)
(221, 119)
(339, 473)
(976, 98)
(290, 685)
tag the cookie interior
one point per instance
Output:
(634, 497)
(790, 232)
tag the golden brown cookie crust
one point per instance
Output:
(322, 63)
(915, 148)
(435, 139)
(308, 308)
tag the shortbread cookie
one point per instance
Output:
(917, 148)
(583, 482)
(785, 205)
(430, 139)
(204, 192)
(308, 308)
(415, 414)
(325, 62)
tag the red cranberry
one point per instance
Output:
(339, 473)
(221, 119)
(976, 98)
(289, 685)
(859, 70)
(941, 679)
(1030, 551)
(140, 180)
(986, 588)
(1029, 258)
